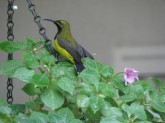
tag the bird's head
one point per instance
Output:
(61, 24)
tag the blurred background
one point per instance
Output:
(120, 33)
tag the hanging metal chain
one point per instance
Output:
(10, 37)
(42, 30)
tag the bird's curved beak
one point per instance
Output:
(50, 20)
(54, 21)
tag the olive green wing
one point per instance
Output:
(83, 52)
(72, 50)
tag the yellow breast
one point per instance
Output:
(63, 52)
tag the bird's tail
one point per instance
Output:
(79, 66)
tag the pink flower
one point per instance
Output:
(130, 75)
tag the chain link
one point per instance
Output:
(10, 90)
(42, 30)
(10, 37)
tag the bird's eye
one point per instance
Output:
(62, 22)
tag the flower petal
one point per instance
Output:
(130, 75)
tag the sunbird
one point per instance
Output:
(67, 46)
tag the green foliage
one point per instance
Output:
(66, 84)
(9, 68)
(24, 74)
(12, 47)
(52, 98)
(60, 95)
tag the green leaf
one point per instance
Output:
(112, 101)
(43, 53)
(157, 103)
(112, 112)
(86, 89)
(162, 116)
(147, 85)
(92, 64)
(64, 69)
(30, 89)
(112, 115)
(33, 105)
(107, 71)
(76, 121)
(39, 117)
(144, 122)
(39, 43)
(107, 89)
(2, 121)
(162, 97)
(40, 80)
(24, 74)
(90, 77)
(82, 101)
(127, 98)
(118, 82)
(106, 109)
(137, 91)
(90, 115)
(49, 60)
(22, 118)
(159, 84)
(154, 115)
(12, 47)
(30, 43)
(46, 58)
(64, 115)
(30, 60)
(66, 84)
(18, 108)
(52, 98)
(96, 103)
(135, 110)
(53, 118)
(110, 120)
(9, 68)
(138, 111)
(5, 110)
(35, 117)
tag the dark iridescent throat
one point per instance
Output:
(59, 29)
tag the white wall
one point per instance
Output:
(99, 25)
